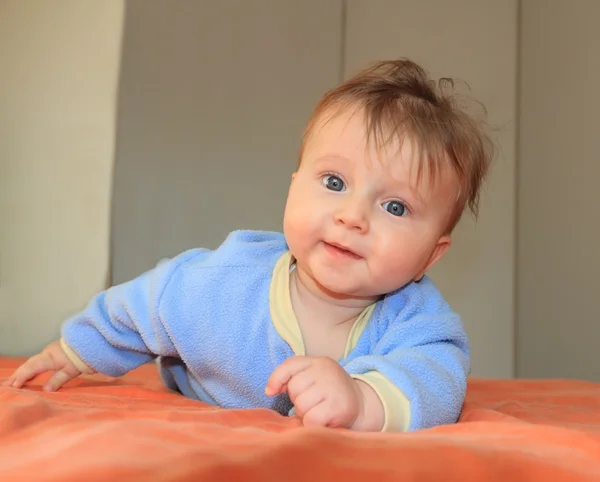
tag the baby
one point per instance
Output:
(334, 320)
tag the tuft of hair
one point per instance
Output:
(400, 101)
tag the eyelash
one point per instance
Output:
(328, 173)
(409, 210)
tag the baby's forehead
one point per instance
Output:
(351, 128)
(348, 134)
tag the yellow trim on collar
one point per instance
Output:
(357, 328)
(284, 318)
(280, 304)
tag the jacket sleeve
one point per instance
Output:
(419, 366)
(121, 328)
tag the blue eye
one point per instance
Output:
(333, 183)
(395, 207)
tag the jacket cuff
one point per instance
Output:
(75, 359)
(395, 404)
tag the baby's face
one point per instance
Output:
(357, 221)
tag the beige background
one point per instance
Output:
(204, 89)
(59, 63)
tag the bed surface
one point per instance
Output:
(96, 428)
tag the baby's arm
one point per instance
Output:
(119, 330)
(418, 370)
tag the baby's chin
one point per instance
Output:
(348, 293)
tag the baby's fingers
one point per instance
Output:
(57, 380)
(31, 368)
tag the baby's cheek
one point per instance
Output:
(295, 224)
(393, 267)
(297, 232)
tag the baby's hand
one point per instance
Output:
(323, 394)
(51, 359)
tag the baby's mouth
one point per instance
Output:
(340, 250)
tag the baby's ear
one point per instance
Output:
(436, 254)
(294, 175)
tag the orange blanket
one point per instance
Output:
(97, 428)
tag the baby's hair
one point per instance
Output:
(398, 100)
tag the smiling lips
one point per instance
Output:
(340, 251)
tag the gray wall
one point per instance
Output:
(217, 94)
(558, 266)
(213, 100)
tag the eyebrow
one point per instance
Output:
(330, 157)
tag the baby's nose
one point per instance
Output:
(353, 215)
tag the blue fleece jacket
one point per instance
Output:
(211, 318)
